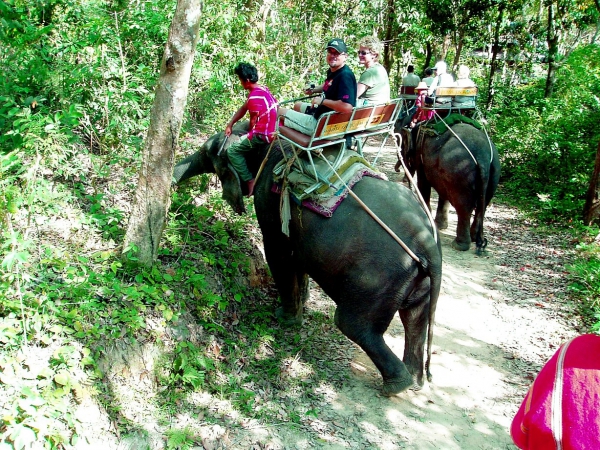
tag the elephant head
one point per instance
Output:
(408, 150)
(212, 158)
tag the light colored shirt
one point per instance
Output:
(428, 81)
(442, 80)
(411, 80)
(378, 85)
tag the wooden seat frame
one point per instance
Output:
(453, 93)
(335, 128)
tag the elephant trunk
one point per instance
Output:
(195, 164)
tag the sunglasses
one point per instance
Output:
(363, 53)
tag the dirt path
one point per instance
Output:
(499, 318)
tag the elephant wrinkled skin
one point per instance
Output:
(366, 273)
(444, 164)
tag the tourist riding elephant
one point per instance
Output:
(464, 173)
(355, 261)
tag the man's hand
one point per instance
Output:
(316, 101)
(228, 130)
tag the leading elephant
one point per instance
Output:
(359, 265)
(462, 165)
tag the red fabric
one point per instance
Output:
(534, 427)
(261, 101)
(422, 114)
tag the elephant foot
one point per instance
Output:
(288, 320)
(394, 386)
(460, 246)
(441, 225)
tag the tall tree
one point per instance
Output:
(569, 24)
(494, 61)
(153, 195)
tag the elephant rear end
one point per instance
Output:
(462, 165)
(487, 182)
(371, 277)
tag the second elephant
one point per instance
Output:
(462, 165)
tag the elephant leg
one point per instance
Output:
(463, 232)
(424, 187)
(441, 215)
(415, 321)
(473, 229)
(292, 284)
(367, 331)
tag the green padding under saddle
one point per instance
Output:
(453, 119)
(348, 165)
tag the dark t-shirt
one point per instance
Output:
(340, 85)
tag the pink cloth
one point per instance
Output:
(422, 114)
(562, 408)
(261, 100)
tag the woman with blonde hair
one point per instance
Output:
(463, 80)
(373, 85)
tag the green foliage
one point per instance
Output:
(548, 146)
(74, 107)
(585, 273)
(189, 366)
(180, 439)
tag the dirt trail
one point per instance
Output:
(499, 318)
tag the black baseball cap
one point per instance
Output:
(338, 44)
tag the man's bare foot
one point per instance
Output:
(251, 187)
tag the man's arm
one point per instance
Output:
(315, 90)
(237, 116)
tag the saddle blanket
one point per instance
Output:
(340, 173)
(442, 126)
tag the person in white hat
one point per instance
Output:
(421, 114)
(442, 79)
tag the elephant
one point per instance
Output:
(349, 255)
(464, 174)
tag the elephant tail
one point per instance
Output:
(434, 293)
(481, 188)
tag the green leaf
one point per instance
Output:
(22, 436)
(62, 378)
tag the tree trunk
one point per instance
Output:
(552, 39)
(429, 55)
(153, 195)
(459, 46)
(494, 61)
(390, 22)
(591, 210)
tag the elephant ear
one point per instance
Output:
(232, 188)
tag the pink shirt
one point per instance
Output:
(261, 101)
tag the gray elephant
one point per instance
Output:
(464, 174)
(359, 265)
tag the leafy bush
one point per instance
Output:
(585, 273)
(548, 146)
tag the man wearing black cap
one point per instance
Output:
(339, 92)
